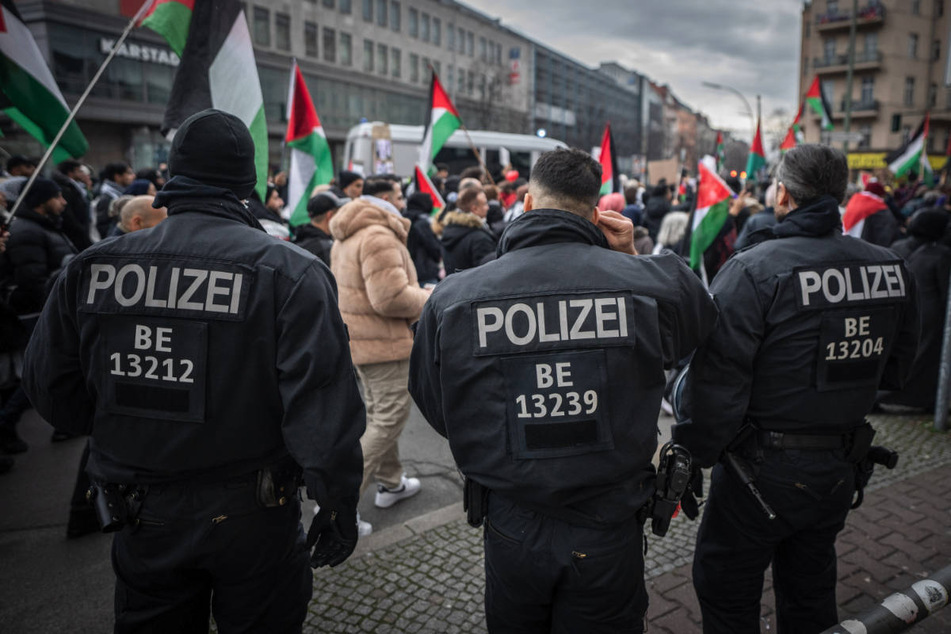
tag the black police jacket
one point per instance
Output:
(545, 368)
(200, 348)
(812, 323)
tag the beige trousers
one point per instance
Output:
(387, 401)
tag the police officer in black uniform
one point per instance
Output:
(545, 370)
(210, 365)
(811, 324)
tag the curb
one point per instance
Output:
(409, 529)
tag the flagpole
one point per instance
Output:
(79, 104)
(475, 151)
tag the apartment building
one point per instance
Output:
(901, 70)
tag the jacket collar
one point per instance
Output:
(182, 194)
(549, 226)
(818, 218)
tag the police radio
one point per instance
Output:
(673, 476)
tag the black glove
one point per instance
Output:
(689, 503)
(332, 535)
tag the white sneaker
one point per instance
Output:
(363, 528)
(385, 498)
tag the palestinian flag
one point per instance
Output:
(28, 93)
(170, 19)
(425, 186)
(218, 71)
(713, 207)
(757, 158)
(793, 134)
(311, 161)
(908, 157)
(720, 151)
(443, 120)
(860, 206)
(610, 178)
(817, 101)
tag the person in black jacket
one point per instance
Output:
(315, 237)
(210, 365)
(514, 363)
(422, 243)
(37, 247)
(466, 240)
(36, 251)
(658, 206)
(812, 323)
(930, 262)
(76, 218)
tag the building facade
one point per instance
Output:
(901, 70)
(363, 60)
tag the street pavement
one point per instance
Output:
(422, 568)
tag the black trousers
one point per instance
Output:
(201, 548)
(810, 491)
(544, 575)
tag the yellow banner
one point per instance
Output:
(876, 160)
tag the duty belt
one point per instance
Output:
(779, 440)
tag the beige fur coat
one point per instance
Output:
(379, 294)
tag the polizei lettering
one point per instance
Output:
(161, 288)
(849, 284)
(552, 322)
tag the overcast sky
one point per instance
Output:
(750, 45)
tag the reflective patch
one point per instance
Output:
(849, 284)
(853, 347)
(552, 322)
(165, 287)
(555, 404)
(154, 368)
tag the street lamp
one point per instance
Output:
(749, 110)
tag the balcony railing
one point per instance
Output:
(861, 109)
(872, 13)
(864, 59)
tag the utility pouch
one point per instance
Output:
(116, 505)
(673, 476)
(475, 499)
(861, 442)
(271, 490)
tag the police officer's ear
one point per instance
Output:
(782, 196)
(529, 203)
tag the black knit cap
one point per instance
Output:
(43, 189)
(421, 201)
(215, 148)
(346, 178)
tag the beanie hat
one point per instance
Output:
(874, 187)
(215, 148)
(139, 187)
(43, 189)
(346, 178)
(421, 201)
(324, 202)
(928, 224)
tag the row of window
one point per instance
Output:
(868, 91)
(833, 6)
(386, 13)
(870, 48)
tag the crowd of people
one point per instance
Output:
(391, 260)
